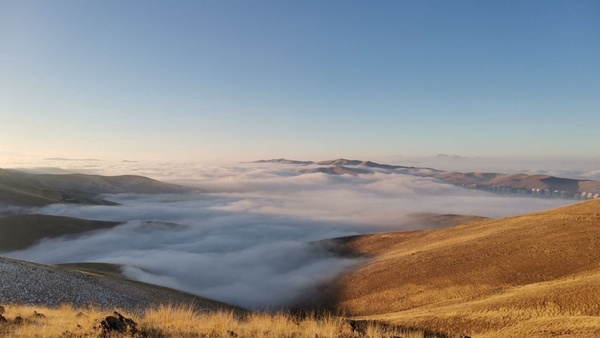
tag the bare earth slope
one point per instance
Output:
(48, 285)
(535, 275)
(19, 188)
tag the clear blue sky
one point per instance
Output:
(218, 80)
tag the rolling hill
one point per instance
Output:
(23, 189)
(535, 275)
(21, 231)
(546, 185)
(520, 181)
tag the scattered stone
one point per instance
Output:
(118, 323)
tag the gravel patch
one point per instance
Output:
(47, 285)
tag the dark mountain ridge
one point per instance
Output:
(23, 189)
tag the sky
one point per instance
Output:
(243, 80)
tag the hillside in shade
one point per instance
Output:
(22, 231)
(23, 189)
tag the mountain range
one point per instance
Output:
(535, 185)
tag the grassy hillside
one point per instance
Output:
(22, 231)
(532, 275)
(19, 188)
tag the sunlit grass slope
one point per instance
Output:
(185, 322)
(535, 275)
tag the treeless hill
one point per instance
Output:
(336, 170)
(474, 179)
(19, 188)
(22, 231)
(535, 275)
(437, 221)
(519, 181)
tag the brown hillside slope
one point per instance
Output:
(22, 231)
(23, 189)
(531, 275)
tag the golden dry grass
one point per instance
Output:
(535, 275)
(169, 321)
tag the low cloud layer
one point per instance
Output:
(249, 240)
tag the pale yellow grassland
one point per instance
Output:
(169, 321)
(536, 275)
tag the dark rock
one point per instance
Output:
(18, 321)
(118, 323)
(131, 324)
(231, 333)
(113, 324)
(2, 319)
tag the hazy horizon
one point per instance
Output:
(567, 167)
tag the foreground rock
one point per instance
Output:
(118, 323)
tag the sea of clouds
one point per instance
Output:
(250, 236)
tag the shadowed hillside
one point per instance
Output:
(19, 188)
(22, 231)
(534, 275)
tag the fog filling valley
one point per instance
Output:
(250, 236)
